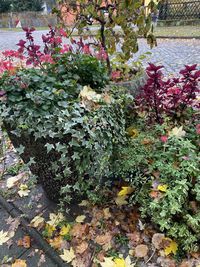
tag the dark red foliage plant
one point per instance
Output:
(172, 97)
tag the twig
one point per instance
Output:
(150, 256)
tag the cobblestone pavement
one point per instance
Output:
(172, 53)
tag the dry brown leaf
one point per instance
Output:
(83, 260)
(107, 213)
(141, 251)
(24, 242)
(79, 230)
(80, 249)
(19, 263)
(56, 242)
(157, 240)
(103, 239)
(134, 238)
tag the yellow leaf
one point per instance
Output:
(172, 248)
(162, 188)
(132, 132)
(55, 219)
(177, 132)
(121, 200)
(24, 191)
(108, 262)
(65, 230)
(68, 255)
(80, 219)
(126, 190)
(49, 229)
(36, 221)
(19, 263)
(4, 237)
(120, 262)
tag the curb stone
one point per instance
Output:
(48, 250)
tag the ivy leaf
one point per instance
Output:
(171, 248)
(68, 255)
(126, 190)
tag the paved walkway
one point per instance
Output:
(172, 53)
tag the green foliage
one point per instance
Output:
(128, 16)
(146, 162)
(28, 5)
(85, 69)
(67, 143)
(4, 5)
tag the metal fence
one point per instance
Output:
(179, 9)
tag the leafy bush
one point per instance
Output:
(65, 132)
(161, 159)
(169, 97)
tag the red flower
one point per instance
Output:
(164, 138)
(198, 129)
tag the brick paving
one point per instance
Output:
(172, 53)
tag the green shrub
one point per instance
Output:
(166, 180)
(66, 138)
(85, 69)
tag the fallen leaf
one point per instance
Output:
(171, 248)
(126, 190)
(4, 237)
(84, 203)
(80, 249)
(37, 221)
(121, 200)
(12, 181)
(65, 230)
(19, 263)
(157, 240)
(107, 213)
(79, 230)
(103, 239)
(56, 242)
(49, 229)
(55, 219)
(162, 188)
(24, 191)
(177, 132)
(24, 242)
(141, 251)
(119, 262)
(68, 255)
(108, 262)
(80, 219)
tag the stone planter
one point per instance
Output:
(41, 168)
(134, 85)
